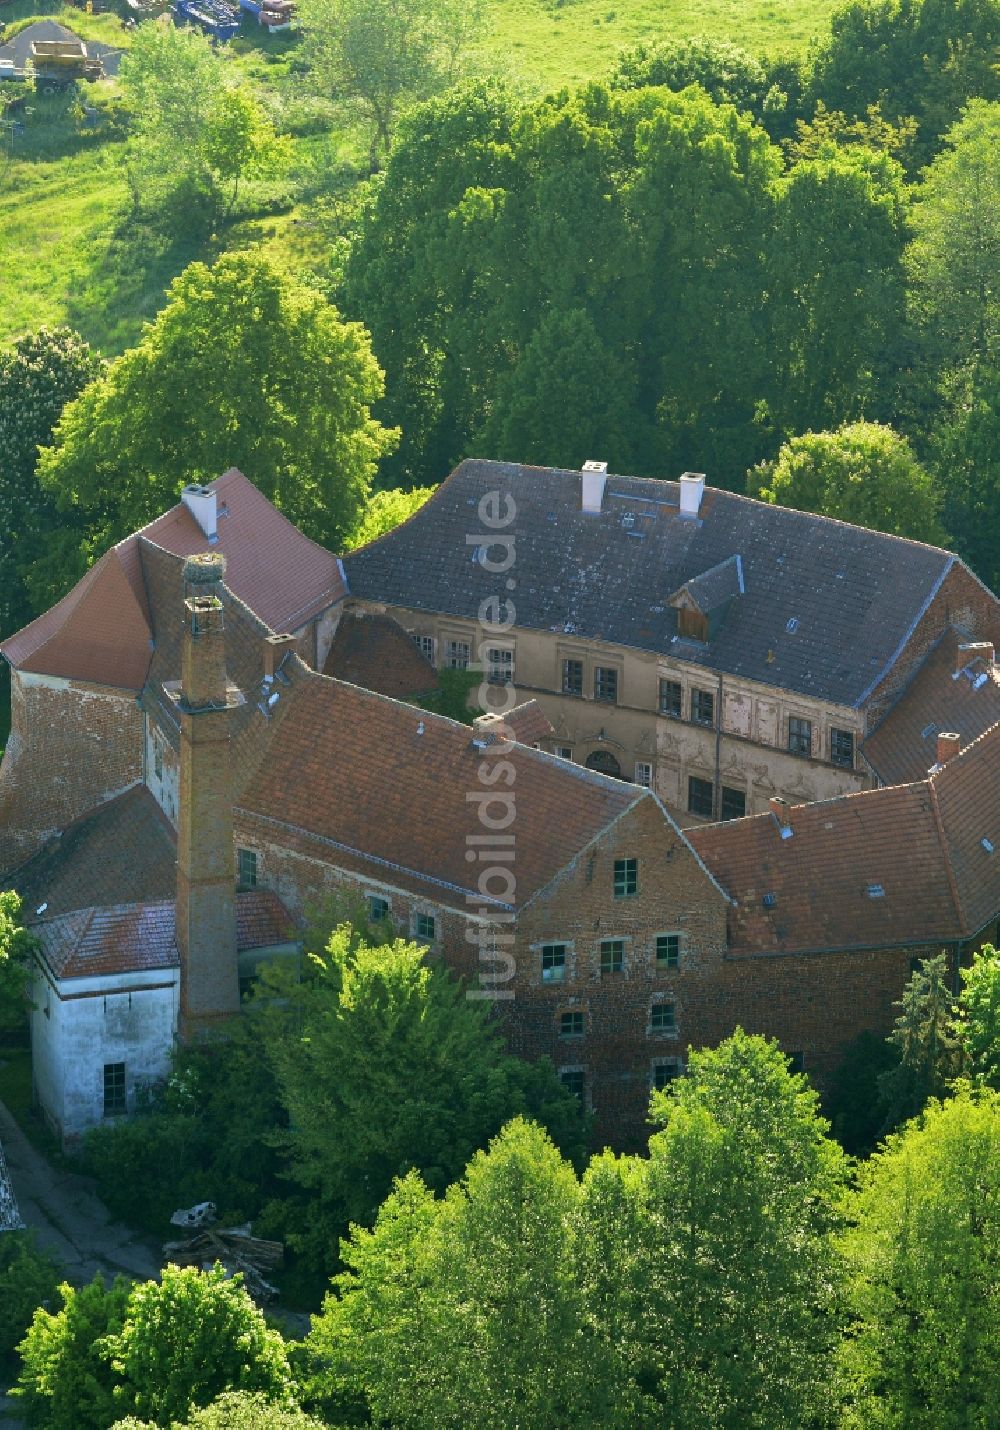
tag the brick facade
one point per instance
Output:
(71, 747)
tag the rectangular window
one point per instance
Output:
(668, 950)
(157, 755)
(574, 1080)
(565, 752)
(612, 955)
(662, 1018)
(665, 1070)
(425, 928)
(734, 803)
(692, 625)
(671, 696)
(378, 908)
(114, 1090)
(553, 962)
(842, 747)
(458, 655)
(798, 1062)
(703, 707)
(605, 683)
(700, 797)
(246, 866)
(644, 774)
(424, 644)
(626, 878)
(571, 1023)
(500, 666)
(572, 677)
(800, 736)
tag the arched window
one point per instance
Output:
(604, 762)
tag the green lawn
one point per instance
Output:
(548, 44)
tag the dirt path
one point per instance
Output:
(71, 1222)
(69, 1218)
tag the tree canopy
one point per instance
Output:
(244, 366)
(39, 374)
(197, 129)
(15, 947)
(679, 301)
(923, 1256)
(385, 54)
(864, 473)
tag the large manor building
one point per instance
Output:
(214, 731)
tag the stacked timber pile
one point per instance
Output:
(235, 1247)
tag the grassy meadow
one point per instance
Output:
(68, 253)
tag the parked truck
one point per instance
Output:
(56, 64)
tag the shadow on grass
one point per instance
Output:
(127, 280)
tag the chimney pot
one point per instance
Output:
(275, 650)
(692, 488)
(948, 745)
(593, 479)
(202, 503)
(204, 570)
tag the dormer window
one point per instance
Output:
(692, 625)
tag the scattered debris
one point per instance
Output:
(234, 1247)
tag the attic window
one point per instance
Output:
(792, 625)
(769, 900)
(628, 519)
(928, 731)
(692, 625)
(987, 844)
(876, 891)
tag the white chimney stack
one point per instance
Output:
(593, 479)
(201, 503)
(692, 485)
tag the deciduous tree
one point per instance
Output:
(15, 949)
(384, 511)
(197, 129)
(66, 1380)
(979, 1016)
(864, 473)
(39, 374)
(923, 1256)
(245, 367)
(390, 1068)
(384, 54)
(187, 1338)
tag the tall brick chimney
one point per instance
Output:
(206, 884)
(948, 745)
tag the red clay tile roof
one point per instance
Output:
(967, 791)
(283, 577)
(123, 852)
(903, 747)
(919, 844)
(527, 724)
(102, 631)
(135, 938)
(99, 632)
(374, 651)
(387, 785)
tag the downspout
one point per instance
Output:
(718, 753)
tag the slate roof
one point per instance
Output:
(136, 938)
(124, 615)
(853, 595)
(919, 844)
(122, 852)
(383, 788)
(904, 746)
(375, 652)
(713, 588)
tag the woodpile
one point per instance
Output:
(237, 1250)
